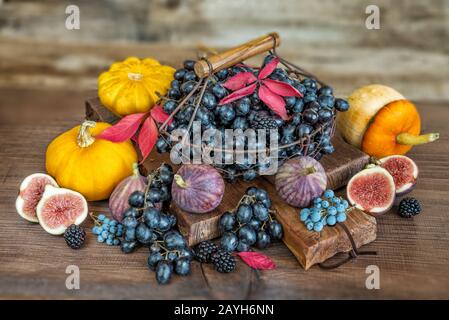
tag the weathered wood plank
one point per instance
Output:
(95, 111)
(77, 66)
(311, 247)
(408, 52)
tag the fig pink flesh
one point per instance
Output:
(33, 193)
(371, 191)
(401, 169)
(62, 210)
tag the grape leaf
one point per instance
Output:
(124, 129)
(281, 88)
(257, 260)
(238, 94)
(268, 69)
(158, 114)
(273, 101)
(239, 81)
(147, 137)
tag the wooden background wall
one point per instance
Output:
(410, 52)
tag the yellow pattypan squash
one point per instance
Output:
(130, 86)
(93, 167)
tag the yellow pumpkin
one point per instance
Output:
(130, 86)
(93, 167)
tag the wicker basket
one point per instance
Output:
(206, 68)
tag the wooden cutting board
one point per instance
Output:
(308, 247)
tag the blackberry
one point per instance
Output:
(223, 261)
(74, 236)
(409, 207)
(263, 122)
(204, 251)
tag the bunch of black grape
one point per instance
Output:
(311, 117)
(157, 193)
(251, 223)
(169, 254)
(145, 224)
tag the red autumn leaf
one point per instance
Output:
(273, 101)
(147, 137)
(282, 88)
(135, 137)
(239, 81)
(158, 114)
(268, 69)
(124, 129)
(238, 94)
(257, 260)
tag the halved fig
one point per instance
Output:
(372, 190)
(30, 193)
(59, 208)
(403, 170)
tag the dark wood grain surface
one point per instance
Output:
(413, 255)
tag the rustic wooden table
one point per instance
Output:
(413, 255)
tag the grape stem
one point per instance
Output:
(150, 178)
(203, 89)
(180, 105)
(159, 233)
(163, 247)
(94, 218)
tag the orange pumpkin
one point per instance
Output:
(395, 129)
(381, 122)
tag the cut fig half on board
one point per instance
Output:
(403, 170)
(59, 208)
(372, 190)
(30, 193)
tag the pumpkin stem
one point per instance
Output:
(85, 139)
(135, 76)
(309, 170)
(180, 181)
(136, 172)
(412, 140)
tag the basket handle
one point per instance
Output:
(204, 68)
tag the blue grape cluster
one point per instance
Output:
(326, 211)
(107, 230)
